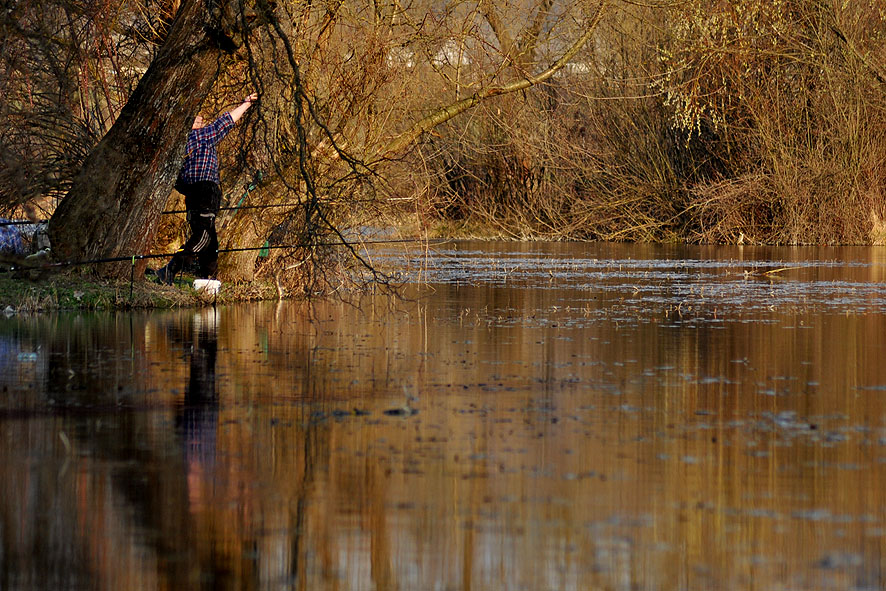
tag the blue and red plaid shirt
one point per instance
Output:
(201, 158)
(11, 238)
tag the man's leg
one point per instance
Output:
(202, 202)
(198, 240)
(207, 257)
(207, 254)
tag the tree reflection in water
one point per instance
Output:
(576, 436)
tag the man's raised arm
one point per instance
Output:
(244, 106)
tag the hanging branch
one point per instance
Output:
(314, 214)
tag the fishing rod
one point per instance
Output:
(267, 206)
(341, 243)
(230, 207)
(175, 211)
(168, 212)
(252, 186)
(138, 257)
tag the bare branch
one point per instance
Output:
(446, 113)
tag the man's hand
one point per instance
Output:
(244, 106)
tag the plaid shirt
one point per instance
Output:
(201, 159)
(11, 240)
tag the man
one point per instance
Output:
(198, 181)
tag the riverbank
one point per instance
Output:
(71, 291)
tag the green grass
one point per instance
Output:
(71, 291)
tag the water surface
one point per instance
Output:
(527, 416)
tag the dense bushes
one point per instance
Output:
(735, 121)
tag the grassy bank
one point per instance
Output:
(65, 291)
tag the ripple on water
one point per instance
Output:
(681, 279)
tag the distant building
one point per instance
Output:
(453, 54)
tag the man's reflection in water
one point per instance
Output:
(197, 419)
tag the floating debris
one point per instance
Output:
(402, 411)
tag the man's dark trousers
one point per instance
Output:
(202, 200)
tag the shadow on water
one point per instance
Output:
(544, 416)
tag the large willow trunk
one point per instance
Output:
(116, 199)
(242, 231)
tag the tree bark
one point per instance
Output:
(116, 199)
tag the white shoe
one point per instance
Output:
(207, 286)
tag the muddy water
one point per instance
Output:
(541, 416)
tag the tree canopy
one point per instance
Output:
(588, 119)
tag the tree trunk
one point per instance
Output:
(115, 202)
(249, 228)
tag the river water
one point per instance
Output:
(524, 416)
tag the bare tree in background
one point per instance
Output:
(796, 92)
(66, 68)
(345, 91)
(355, 92)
